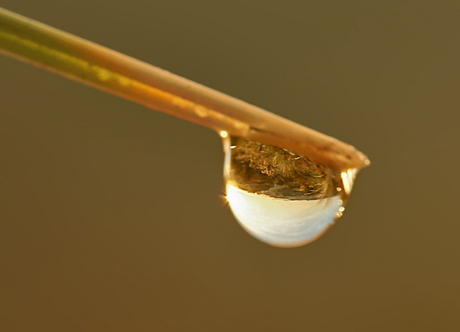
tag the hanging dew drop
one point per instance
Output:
(279, 197)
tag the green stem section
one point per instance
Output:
(96, 66)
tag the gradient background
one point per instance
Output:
(111, 214)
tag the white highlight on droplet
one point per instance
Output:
(348, 177)
(282, 222)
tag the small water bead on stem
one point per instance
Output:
(280, 197)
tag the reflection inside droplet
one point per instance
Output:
(279, 197)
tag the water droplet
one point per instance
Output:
(102, 74)
(201, 111)
(280, 197)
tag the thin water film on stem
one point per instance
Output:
(279, 197)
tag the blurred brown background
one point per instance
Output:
(111, 214)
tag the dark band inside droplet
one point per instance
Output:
(272, 171)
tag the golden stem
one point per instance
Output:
(124, 76)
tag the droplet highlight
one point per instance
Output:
(279, 197)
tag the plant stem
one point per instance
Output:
(124, 76)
